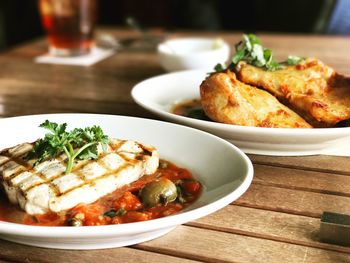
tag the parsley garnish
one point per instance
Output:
(293, 60)
(251, 51)
(77, 144)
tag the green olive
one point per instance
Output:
(160, 191)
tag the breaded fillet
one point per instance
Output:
(312, 89)
(225, 99)
(46, 187)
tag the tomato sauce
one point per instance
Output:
(122, 206)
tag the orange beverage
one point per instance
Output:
(69, 25)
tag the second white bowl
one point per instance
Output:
(192, 53)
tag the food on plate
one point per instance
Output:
(314, 90)
(46, 188)
(256, 90)
(228, 100)
(83, 177)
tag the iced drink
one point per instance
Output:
(69, 25)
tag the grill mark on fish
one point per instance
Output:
(40, 175)
(81, 176)
(101, 162)
(16, 170)
(17, 160)
(54, 188)
(61, 158)
(93, 181)
(80, 173)
(144, 149)
(46, 180)
(76, 170)
(5, 160)
(18, 152)
(118, 146)
(20, 149)
(129, 162)
(31, 170)
(126, 158)
(49, 181)
(21, 159)
(14, 175)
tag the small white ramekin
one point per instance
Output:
(192, 53)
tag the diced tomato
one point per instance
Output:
(117, 220)
(175, 173)
(191, 187)
(48, 219)
(135, 216)
(92, 214)
(171, 209)
(128, 201)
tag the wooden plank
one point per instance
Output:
(19, 105)
(293, 201)
(20, 253)
(93, 87)
(110, 81)
(271, 225)
(302, 180)
(321, 163)
(214, 246)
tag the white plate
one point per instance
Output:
(158, 95)
(224, 171)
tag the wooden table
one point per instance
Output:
(276, 220)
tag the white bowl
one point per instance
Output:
(224, 171)
(159, 94)
(192, 53)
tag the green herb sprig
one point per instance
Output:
(77, 144)
(293, 60)
(250, 49)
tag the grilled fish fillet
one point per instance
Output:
(312, 89)
(225, 99)
(46, 187)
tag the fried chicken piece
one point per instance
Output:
(225, 99)
(315, 91)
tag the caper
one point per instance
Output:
(75, 222)
(160, 191)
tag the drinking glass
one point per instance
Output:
(69, 25)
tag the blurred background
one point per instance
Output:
(20, 21)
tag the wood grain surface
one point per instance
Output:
(276, 220)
